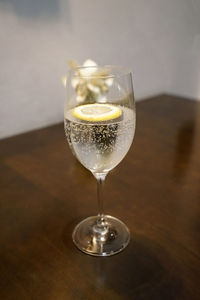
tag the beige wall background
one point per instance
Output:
(158, 39)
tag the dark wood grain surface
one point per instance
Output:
(44, 192)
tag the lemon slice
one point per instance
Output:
(96, 112)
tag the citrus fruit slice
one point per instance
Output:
(96, 112)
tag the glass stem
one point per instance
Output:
(100, 177)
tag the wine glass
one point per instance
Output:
(99, 117)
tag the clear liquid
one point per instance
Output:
(100, 146)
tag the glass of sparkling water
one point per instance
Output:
(99, 117)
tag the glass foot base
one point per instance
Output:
(112, 239)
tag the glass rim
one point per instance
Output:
(122, 71)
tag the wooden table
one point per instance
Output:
(44, 192)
